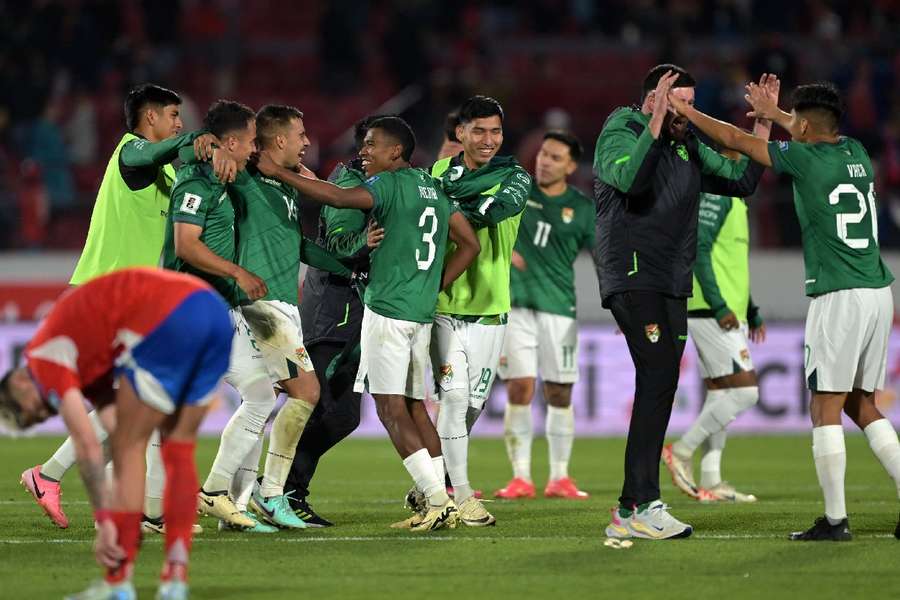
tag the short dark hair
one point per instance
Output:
(225, 116)
(361, 127)
(651, 79)
(479, 107)
(400, 130)
(823, 98)
(569, 139)
(272, 118)
(450, 125)
(143, 96)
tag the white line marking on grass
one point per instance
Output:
(425, 538)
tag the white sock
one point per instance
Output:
(883, 441)
(720, 409)
(517, 433)
(245, 479)
(451, 427)
(438, 463)
(560, 434)
(64, 458)
(286, 431)
(830, 456)
(241, 433)
(156, 478)
(711, 463)
(421, 469)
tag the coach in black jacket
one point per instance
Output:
(649, 172)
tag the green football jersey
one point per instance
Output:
(552, 231)
(268, 233)
(405, 270)
(200, 199)
(834, 196)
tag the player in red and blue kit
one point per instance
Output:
(147, 348)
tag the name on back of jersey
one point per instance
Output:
(856, 170)
(428, 193)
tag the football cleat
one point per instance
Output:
(101, 590)
(158, 525)
(725, 492)
(823, 531)
(681, 471)
(410, 522)
(306, 513)
(477, 493)
(473, 513)
(174, 589)
(221, 506)
(46, 493)
(415, 500)
(655, 523)
(619, 526)
(564, 488)
(515, 489)
(438, 517)
(276, 510)
(259, 527)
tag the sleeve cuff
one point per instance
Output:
(722, 312)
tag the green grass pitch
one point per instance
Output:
(539, 549)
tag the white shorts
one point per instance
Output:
(847, 335)
(394, 356)
(247, 363)
(540, 343)
(276, 328)
(465, 356)
(721, 352)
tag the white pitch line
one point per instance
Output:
(444, 538)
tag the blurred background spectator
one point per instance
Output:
(66, 64)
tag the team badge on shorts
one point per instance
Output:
(446, 374)
(302, 356)
(568, 214)
(745, 355)
(652, 332)
(504, 361)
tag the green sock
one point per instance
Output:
(644, 506)
(625, 512)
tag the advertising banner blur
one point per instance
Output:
(603, 396)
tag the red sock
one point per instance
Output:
(179, 506)
(128, 528)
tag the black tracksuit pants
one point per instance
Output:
(655, 327)
(335, 417)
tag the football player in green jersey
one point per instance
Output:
(200, 239)
(851, 311)
(542, 334)
(468, 330)
(406, 273)
(127, 229)
(270, 243)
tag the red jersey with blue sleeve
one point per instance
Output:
(98, 327)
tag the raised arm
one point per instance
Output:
(467, 248)
(316, 189)
(141, 153)
(627, 151)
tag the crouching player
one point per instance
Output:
(144, 365)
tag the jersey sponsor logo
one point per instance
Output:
(446, 374)
(568, 214)
(373, 179)
(783, 145)
(274, 182)
(652, 332)
(533, 204)
(190, 203)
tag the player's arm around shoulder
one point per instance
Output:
(626, 152)
(141, 153)
(467, 248)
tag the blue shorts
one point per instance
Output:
(181, 362)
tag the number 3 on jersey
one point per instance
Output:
(852, 218)
(428, 238)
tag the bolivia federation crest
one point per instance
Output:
(446, 374)
(568, 214)
(652, 332)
